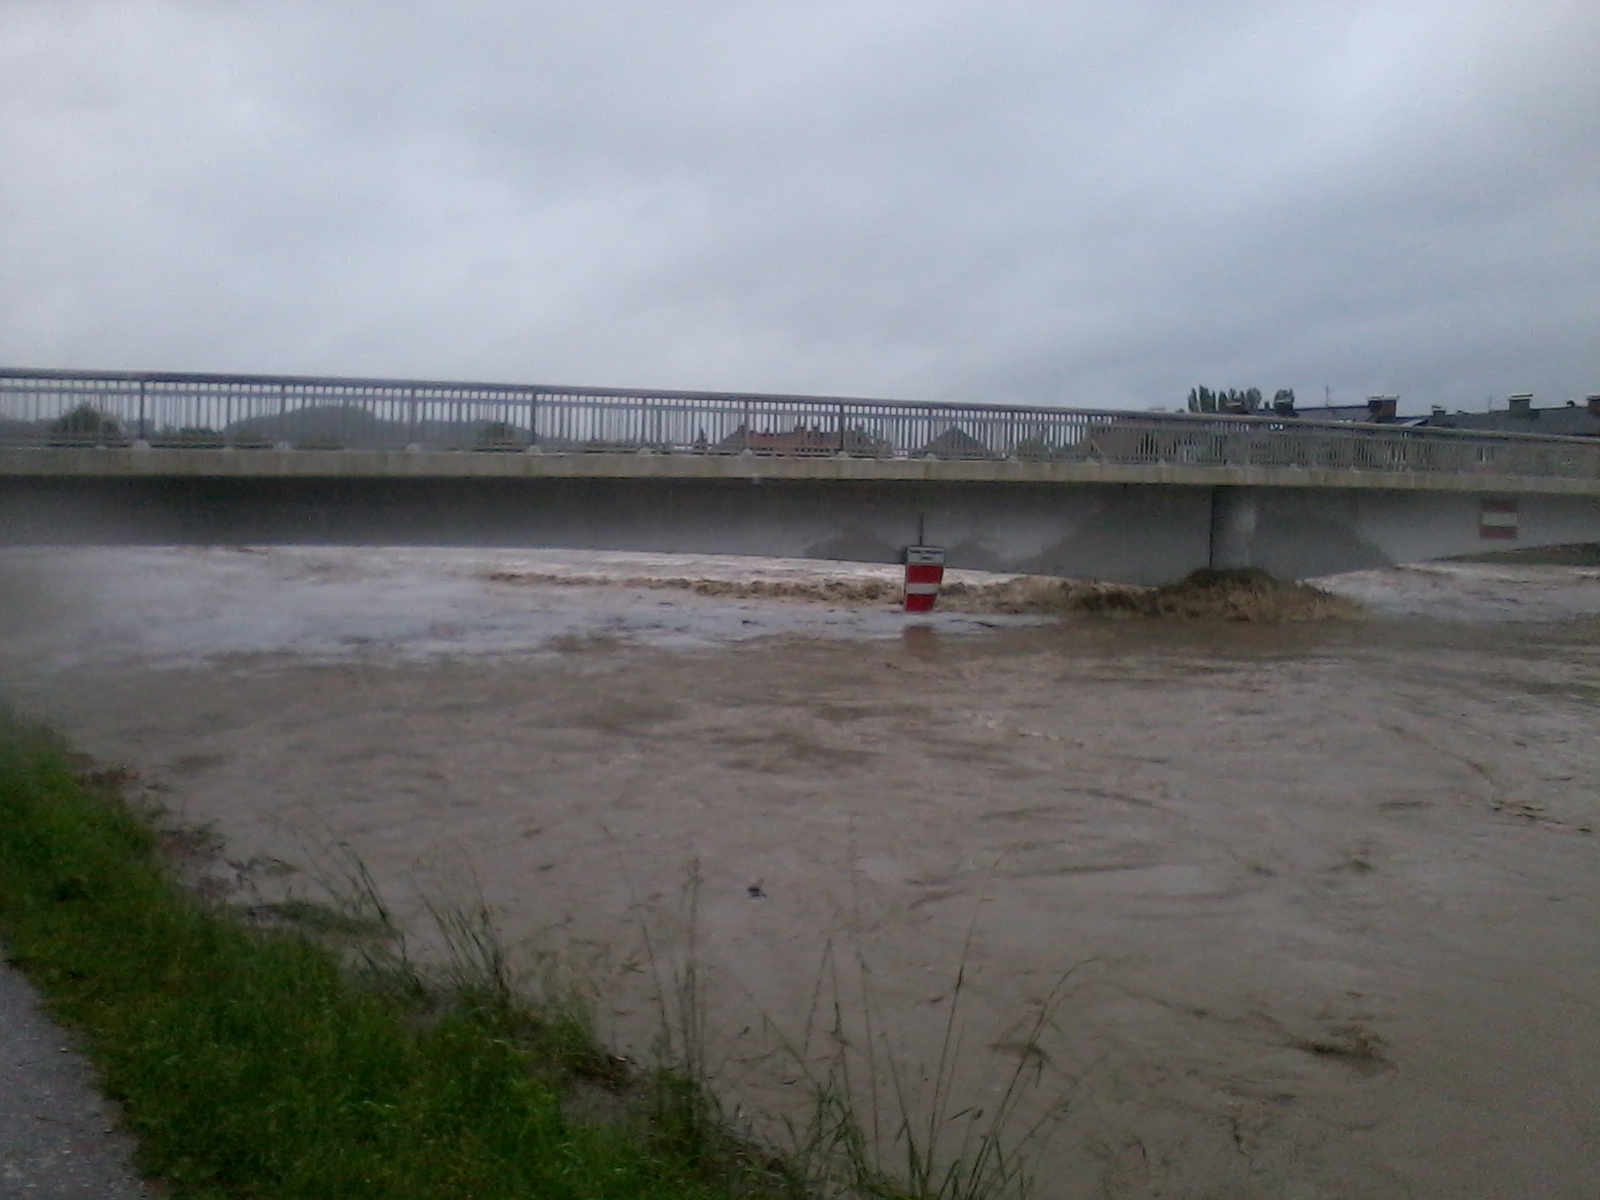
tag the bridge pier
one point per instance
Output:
(1235, 513)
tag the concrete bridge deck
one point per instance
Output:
(152, 463)
(1138, 497)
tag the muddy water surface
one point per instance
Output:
(1329, 894)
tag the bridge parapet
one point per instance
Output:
(263, 412)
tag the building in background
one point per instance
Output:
(1377, 410)
(1567, 420)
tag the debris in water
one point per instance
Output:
(1248, 595)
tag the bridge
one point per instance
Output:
(154, 457)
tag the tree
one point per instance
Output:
(497, 435)
(86, 424)
(1231, 400)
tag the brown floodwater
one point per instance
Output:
(1326, 896)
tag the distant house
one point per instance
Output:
(1332, 412)
(1377, 410)
(803, 440)
(956, 442)
(320, 426)
(1568, 420)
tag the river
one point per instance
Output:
(1325, 896)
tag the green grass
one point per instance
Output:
(250, 1062)
(296, 1049)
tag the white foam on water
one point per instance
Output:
(1461, 591)
(176, 607)
(166, 606)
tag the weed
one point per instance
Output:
(883, 1128)
(300, 1047)
(874, 1122)
(246, 1061)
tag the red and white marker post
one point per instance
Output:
(1497, 520)
(924, 574)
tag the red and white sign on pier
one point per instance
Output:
(1498, 520)
(924, 574)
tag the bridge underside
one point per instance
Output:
(1126, 532)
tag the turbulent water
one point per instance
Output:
(1326, 894)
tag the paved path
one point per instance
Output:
(56, 1136)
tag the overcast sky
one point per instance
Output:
(1052, 202)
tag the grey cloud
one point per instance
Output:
(1040, 202)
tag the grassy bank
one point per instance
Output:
(250, 1062)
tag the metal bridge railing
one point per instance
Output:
(246, 412)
